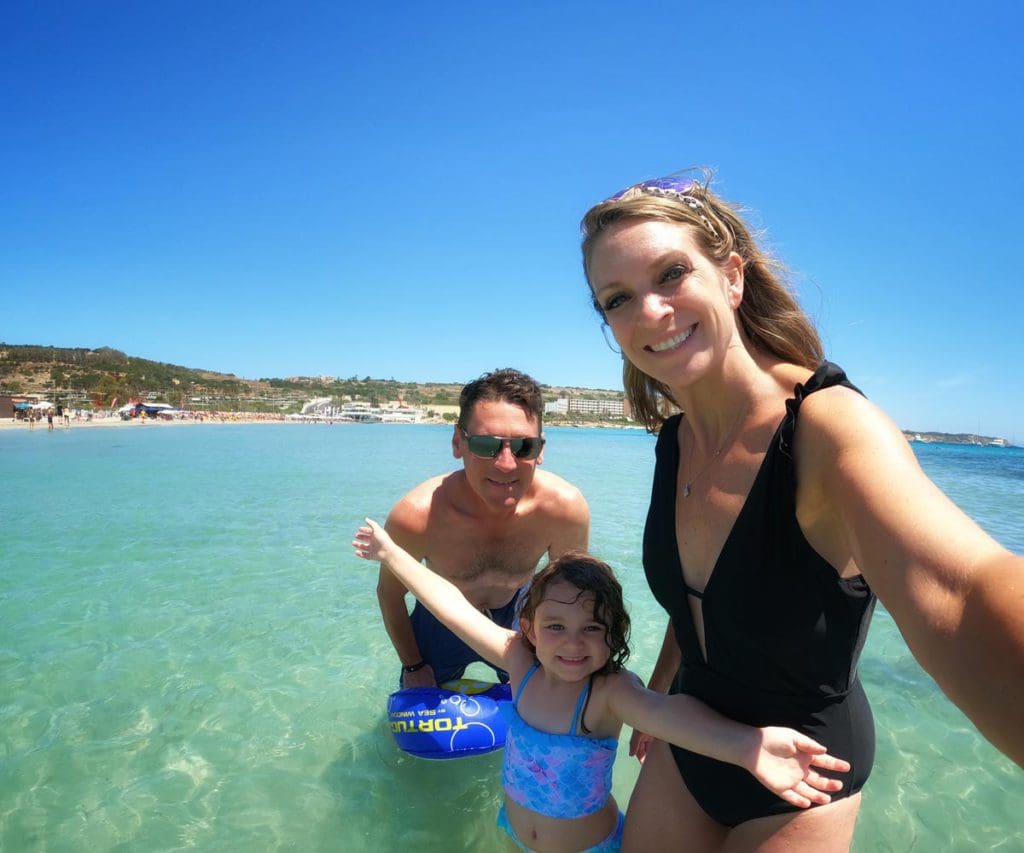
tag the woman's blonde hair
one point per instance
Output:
(769, 314)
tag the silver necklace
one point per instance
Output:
(731, 436)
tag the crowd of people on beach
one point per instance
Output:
(67, 417)
(34, 414)
(784, 504)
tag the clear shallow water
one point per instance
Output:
(190, 657)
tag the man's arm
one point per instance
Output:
(391, 598)
(570, 529)
(393, 610)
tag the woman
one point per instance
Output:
(782, 498)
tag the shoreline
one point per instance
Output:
(253, 418)
(11, 425)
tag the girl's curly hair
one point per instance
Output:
(589, 575)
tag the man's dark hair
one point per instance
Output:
(505, 385)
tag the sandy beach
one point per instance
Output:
(78, 423)
(10, 424)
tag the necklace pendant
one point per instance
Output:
(686, 490)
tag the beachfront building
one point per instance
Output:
(323, 408)
(605, 407)
(318, 406)
(10, 404)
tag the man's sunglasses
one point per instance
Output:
(489, 446)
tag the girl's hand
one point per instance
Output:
(638, 744)
(786, 762)
(372, 541)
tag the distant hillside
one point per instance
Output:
(98, 377)
(955, 438)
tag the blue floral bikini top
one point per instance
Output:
(557, 775)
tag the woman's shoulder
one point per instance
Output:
(787, 375)
(846, 448)
(839, 416)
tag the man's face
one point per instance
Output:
(502, 481)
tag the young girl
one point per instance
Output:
(572, 696)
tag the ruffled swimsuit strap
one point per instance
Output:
(826, 376)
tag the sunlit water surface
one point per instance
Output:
(191, 658)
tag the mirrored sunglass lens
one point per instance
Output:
(678, 185)
(524, 448)
(487, 446)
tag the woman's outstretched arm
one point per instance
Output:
(957, 595)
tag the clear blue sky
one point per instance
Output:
(394, 189)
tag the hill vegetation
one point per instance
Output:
(105, 377)
(101, 378)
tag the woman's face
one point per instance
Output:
(671, 308)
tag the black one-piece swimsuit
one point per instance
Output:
(783, 632)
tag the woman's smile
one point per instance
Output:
(673, 342)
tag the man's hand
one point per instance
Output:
(421, 678)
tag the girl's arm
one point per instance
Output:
(661, 679)
(441, 597)
(957, 596)
(781, 759)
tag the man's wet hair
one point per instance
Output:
(505, 385)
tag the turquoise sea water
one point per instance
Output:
(191, 658)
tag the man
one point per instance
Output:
(484, 527)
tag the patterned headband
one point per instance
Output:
(674, 188)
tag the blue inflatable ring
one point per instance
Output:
(457, 719)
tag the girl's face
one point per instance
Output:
(671, 308)
(570, 642)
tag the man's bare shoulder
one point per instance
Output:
(557, 496)
(410, 517)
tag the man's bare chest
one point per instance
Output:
(476, 559)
